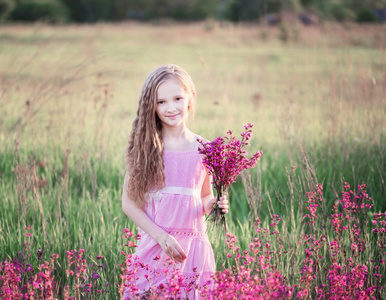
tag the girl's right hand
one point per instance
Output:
(173, 249)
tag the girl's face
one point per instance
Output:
(172, 103)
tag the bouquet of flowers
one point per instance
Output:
(224, 159)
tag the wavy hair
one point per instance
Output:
(145, 148)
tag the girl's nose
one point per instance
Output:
(171, 108)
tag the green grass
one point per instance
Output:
(77, 87)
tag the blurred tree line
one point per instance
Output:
(234, 10)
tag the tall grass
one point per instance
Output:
(69, 95)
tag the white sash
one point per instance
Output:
(176, 190)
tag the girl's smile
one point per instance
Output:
(173, 116)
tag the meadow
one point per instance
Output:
(316, 97)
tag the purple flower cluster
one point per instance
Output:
(85, 277)
(20, 280)
(246, 285)
(253, 273)
(348, 277)
(314, 199)
(351, 284)
(225, 159)
(340, 262)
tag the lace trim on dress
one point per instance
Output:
(184, 232)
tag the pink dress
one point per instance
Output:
(178, 209)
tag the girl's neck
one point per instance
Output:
(176, 133)
(178, 139)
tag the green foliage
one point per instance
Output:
(344, 10)
(235, 10)
(89, 10)
(245, 10)
(291, 5)
(366, 15)
(6, 7)
(181, 9)
(52, 11)
(341, 12)
(307, 3)
(252, 10)
(104, 10)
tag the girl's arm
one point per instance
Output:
(167, 242)
(208, 199)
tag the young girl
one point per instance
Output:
(167, 191)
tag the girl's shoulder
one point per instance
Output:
(201, 141)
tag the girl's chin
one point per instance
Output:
(175, 124)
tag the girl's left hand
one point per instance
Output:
(222, 204)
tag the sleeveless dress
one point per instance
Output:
(177, 209)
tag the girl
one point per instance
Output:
(167, 191)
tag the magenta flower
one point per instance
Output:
(224, 159)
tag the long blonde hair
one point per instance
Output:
(145, 149)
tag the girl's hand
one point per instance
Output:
(173, 249)
(222, 204)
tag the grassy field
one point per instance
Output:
(68, 96)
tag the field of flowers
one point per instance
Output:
(308, 222)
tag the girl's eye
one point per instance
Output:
(160, 102)
(179, 98)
